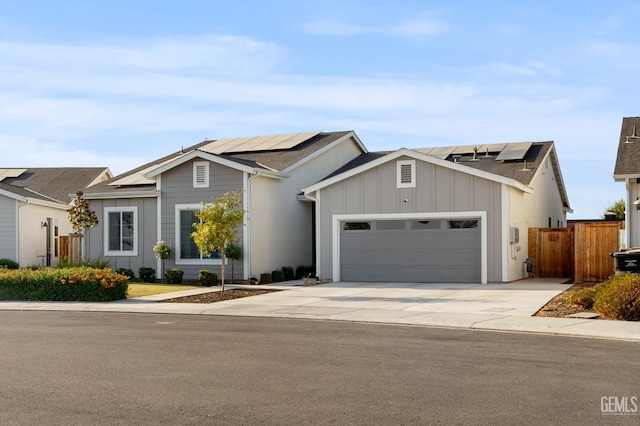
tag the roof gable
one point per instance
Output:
(54, 184)
(483, 161)
(628, 156)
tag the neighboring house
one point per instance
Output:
(448, 214)
(33, 210)
(157, 201)
(627, 170)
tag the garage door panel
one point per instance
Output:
(411, 255)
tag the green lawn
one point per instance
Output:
(146, 289)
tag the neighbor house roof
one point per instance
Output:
(55, 184)
(628, 159)
(268, 154)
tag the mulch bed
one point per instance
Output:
(558, 307)
(219, 296)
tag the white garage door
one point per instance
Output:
(441, 250)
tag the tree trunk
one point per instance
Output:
(222, 269)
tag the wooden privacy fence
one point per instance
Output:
(581, 252)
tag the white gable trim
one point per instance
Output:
(208, 157)
(12, 195)
(422, 157)
(348, 136)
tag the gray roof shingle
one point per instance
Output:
(628, 158)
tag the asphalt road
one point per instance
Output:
(130, 369)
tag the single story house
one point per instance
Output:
(446, 214)
(157, 201)
(33, 210)
(627, 170)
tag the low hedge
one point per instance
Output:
(173, 276)
(616, 298)
(68, 284)
(9, 264)
(207, 278)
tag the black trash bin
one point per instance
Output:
(626, 260)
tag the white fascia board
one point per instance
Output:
(45, 203)
(205, 156)
(553, 157)
(623, 178)
(350, 135)
(12, 195)
(152, 193)
(422, 157)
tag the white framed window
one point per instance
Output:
(121, 231)
(187, 252)
(200, 174)
(406, 170)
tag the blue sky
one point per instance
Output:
(120, 83)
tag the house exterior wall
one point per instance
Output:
(632, 214)
(8, 228)
(33, 236)
(147, 234)
(281, 225)
(536, 210)
(437, 190)
(177, 189)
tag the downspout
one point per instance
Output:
(247, 234)
(18, 205)
(627, 216)
(316, 206)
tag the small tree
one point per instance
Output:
(163, 251)
(233, 252)
(80, 215)
(616, 207)
(218, 225)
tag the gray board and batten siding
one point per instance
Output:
(8, 228)
(439, 191)
(177, 189)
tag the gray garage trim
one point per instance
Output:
(395, 257)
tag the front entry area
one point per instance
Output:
(438, 250)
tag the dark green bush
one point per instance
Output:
(69, 284)
(9, 264)
(88, 263)
(304, 271)
(173, 276)
(126, 272)
(265, 278)
(288, 272)
(207, 278)
(619, 298)
(146, 274)
(277, 276)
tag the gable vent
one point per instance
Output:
(201, 174)
(406, 174)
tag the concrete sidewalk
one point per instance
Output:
(504, 307)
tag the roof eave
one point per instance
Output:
(152, 193)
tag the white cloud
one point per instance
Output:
(335, 26)
(420, 27)
(413, 28)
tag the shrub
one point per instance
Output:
(288, 272)
(619, 298)
(173, 276)
(265, 278)
(126, 272)
(96, 263)
(69, 284)
(583, 297)
(304, 271)
(9, 264)
(277, 276)
(148, 275)
(207, 278)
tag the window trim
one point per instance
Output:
(134, 210)
(178, 259)
(196, 183)
(399, 166)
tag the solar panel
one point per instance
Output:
(442, 152)
(257, 143)
(514, 151)
(491, 147)
(10, 173)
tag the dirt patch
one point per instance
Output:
(219, 296)
(558, 307)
